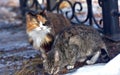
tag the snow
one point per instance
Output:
(110, 68)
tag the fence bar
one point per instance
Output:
(50, 4)
(111, 26)
(90, 13)
(111, 22)
(22, 6)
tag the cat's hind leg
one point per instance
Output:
(94, 58)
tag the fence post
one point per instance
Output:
(110, 21)
(50, 4)
(22, 6)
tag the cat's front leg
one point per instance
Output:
(56, 71)
(94, 58)
(71, 64)
(70, 67)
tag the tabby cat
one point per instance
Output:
(42, 26)
(74, 44)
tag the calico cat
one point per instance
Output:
(42, 26)
(74, 43)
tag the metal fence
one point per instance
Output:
(108, 24)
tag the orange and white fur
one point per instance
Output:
(41, 33)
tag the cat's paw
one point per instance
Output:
(70, 67)
(89, 62)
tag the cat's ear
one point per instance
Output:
(43, 12)
(31, 13)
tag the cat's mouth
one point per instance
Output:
(45, 28)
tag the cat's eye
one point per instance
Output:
(44, 24)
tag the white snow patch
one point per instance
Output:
(110, 68)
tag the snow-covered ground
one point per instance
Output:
(110, 68)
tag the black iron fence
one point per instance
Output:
(109, 23)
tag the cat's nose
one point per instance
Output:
(42, 27)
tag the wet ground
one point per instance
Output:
(14, 46)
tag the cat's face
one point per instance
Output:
(37, 21)
(39, 30)
(51, 65)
